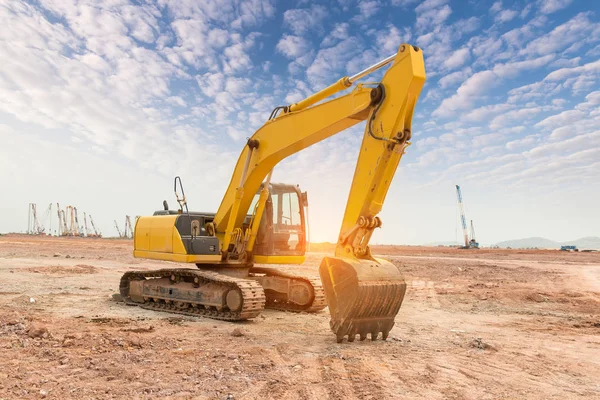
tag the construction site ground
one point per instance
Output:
(475, 324)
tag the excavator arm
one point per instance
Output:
(388, 106)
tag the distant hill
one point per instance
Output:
(590, 242)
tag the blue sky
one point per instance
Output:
(103, 103)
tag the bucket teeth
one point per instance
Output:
(364, 296)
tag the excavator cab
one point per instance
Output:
(283, 228)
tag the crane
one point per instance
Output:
(33, 226)
(473, 242)
(85, 226)
(469, 244)
(75, 224)
(128, 228)
(65, 230)
(118, 230)
(60, 223)
(97, 233)
(48, 217)
(260, 222)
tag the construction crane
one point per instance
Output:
(85, 225)
(128, 228)
(473, 242)
(97, 233)
(60, 223)
(263, 222)
(65, 229)
(48, 218)
(469, 244)
(33, 224)
(76, 232)
(118, 230)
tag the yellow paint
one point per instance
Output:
(183, 258)
(157, 238)
(340, 85)
(279, 259)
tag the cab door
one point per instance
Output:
(282, 229)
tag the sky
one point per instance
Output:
(102, 104)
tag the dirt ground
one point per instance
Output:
(475, 324)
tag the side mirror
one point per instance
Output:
(304, 198)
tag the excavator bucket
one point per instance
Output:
(363, 296)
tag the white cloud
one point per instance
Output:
(176, 101)
(475, 88)
(521, 143)
(368, 8)
(506, 16)
(211, 83)
(388, 40)
(432, 13)
(454, 78)
(339, 32)
(496, 7)
(332, 59)
(578, 29)
(550, 6)
(302, 20)
(472, 89)
(520, 116)
(458, 58)
(565, 73)
(292, 46)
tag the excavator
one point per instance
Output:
(260, 223)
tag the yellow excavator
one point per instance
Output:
(259, 222)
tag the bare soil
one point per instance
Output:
(475, 324)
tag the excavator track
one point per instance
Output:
(252, 296)
(318, 303)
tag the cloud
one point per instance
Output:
(458, 58)
(578, 79)
(368, 8)
(454, 78)
(292, 46)
(388, 40)
(578, 29)
(211, 83)
(331, 59)
(550, 6)
(472, 89)
(520, 116)
(506, 16)
(339, 32)
(302, 20)
(475, 88)
(521, 143)
(431, 13)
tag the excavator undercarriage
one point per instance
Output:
(217, 295)
(260, 223)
